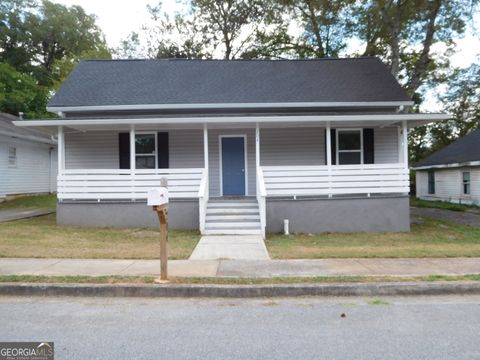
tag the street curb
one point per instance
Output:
(241, 291)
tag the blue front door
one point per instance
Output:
(233, 165)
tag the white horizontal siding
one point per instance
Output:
(292, 146)
(92, 150)
(214, 158)
(449, 185)
(32, 172)
(100, 150)
(306, 146)
(386, 145)
(186, 148)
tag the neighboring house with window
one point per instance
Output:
(243, 144)
(452, 173)
(28, 159)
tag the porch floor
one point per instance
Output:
(230, 247)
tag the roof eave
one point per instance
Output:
(346, 104)
(447, 166)
(392, 118)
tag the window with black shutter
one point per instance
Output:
(151, 150)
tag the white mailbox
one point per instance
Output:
(157, 196)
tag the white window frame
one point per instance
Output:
(15, 158)
(156, 148)
(244, 136)
(337, 144)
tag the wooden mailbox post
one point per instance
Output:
(158, 199)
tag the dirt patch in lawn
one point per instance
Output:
(42, 238)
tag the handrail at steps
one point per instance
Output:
(261, 198)
(203, 200)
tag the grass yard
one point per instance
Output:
(442, 205)
(432, 238)
(42, 238)
(26, 202)
(233, 281)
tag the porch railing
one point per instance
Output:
(203, 200)
(113, 184)
(336, 180)
(261, 199)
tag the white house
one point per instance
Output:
(28, 159)
(452, 173)
(244, 144)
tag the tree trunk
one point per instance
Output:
(422, 64)
(393, 27)
(320, 51)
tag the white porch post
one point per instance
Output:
(203, 192)
(405, 143)
(61, 150)
(328, 135)
(205, 147)
(257, 145)
(132, 159)
(132, 150)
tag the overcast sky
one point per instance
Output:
(118, 18)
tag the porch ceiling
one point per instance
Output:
(371, 120)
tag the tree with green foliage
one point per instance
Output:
(20, 93)
(41, 42)
(403, 32)
(16, 46)
(325, 26)
(36, 37)
(181, 36)
(462, 100)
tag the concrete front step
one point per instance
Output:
(232, 217)
(239, 211)
(232, 232)
(232, 205)
(232, 225)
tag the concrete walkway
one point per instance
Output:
(244, 268)
(11, 215)
(230, 247)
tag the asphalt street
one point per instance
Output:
(301, 328)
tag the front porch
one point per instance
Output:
(282, 163)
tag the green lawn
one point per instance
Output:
(233, 281)
(432, 238)
(25, 202)
(41, 238)
(441, 205)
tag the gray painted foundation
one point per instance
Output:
(375, 214)
(340, 215)
(182, 214)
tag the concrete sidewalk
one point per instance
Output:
(243, 268)
(17, 214)
(230, 247)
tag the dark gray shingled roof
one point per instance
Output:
(464, 150)
(6, 125)
(138, 82)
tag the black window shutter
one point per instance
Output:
(368, 146)
(162, 143)
(333, 141)
(124, 150)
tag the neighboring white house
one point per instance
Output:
(28, 160)
(244, 144)
(453, 173)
